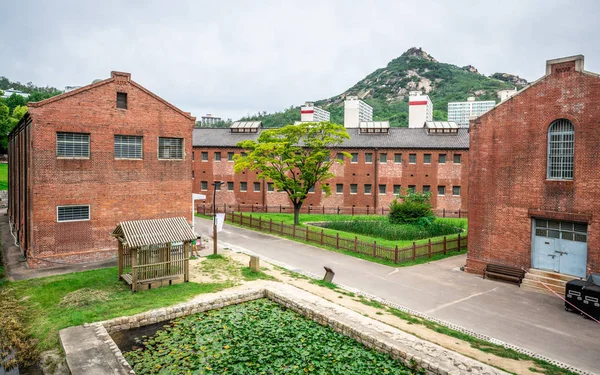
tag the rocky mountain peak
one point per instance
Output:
(418, 53)
(471, 68)
(511, 78)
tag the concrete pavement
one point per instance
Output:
(532, 321)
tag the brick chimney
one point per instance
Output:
(564, 65)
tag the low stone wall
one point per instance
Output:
(405, 348)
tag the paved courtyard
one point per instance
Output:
(530, 320)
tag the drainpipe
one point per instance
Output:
(375, 176)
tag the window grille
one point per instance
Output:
(203, 185)
(217, 156)
(230, 186)
(354, 157)
(383, 158)
(397, 189)
(382, 189)
(456, 190)
(339, 188)
(353, 188)
(230, 156)
(368, 158)
(441, 190)
(122, 100)
(561, 229)
(367, 188)
(442, 159)
(128, 147)
(270, 186)
(257, 186)
(204, 156)
(412, 158)
(73, 213)
(397, 158)
(427, 158)
(561, 149)
(73, 145)
(457, 158)
(243, 186)
(170, 148)
(426, 188)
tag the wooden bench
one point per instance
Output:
(505, 272)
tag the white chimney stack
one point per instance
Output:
(420, 109)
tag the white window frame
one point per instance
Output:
(74, 205)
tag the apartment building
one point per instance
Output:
(310, 113)
(462, 112)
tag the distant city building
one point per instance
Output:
(310, 113)
(71, 88)
(356, 111)
(209, 120)
(462, 112)
(9, 92)
(505, 94)
(420, 109)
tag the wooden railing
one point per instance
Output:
(318, 236)
(207, 209)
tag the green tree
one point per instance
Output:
(295, 158)
(413, 208)
(6, 125)
(19, 112)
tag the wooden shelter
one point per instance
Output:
(152, 251)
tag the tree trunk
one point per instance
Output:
(297, 213)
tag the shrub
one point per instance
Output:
(412, 209)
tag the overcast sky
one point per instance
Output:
(232, 58)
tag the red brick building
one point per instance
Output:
(381, 164)
(534, 176)
(83, 161)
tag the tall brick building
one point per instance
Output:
(432, 158)
(534, 176)
(83, 161)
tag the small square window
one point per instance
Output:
(203, 185)
(230, 156)
(367, 188)
(73, 213)
(412, 188)
(122, 100)
(383, 158)
(339, 188)
(426, 189)
(397, 158)
(170, 148)
(257, 187)
(193, 155)
(230, 186)
(204, 156)
(441, 190)
(412, 158)
(217, 156)
(353, 188)
(397, 189)
(339, 156)
(270, 186)
(456, 190)
(427, 158)
(442, 159)
(382, 189)
(368, 157)
(457, 158)
(354, 157)
(243, 186)
(193, 175)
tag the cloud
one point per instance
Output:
(232, 58)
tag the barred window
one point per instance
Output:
(455, 190)
(427, 158)
(243, 186)
(368, 157)
(72, 145)
(561, 149)
(367, 188)
(382, 189)
(397, 189)
(353, 188)
(354, 157)
(270, 186)
(217, 156)
(128, 147)
(204, 155)
(457, 158)
(442, 159)
(412, 158)
(339, 188)
(230, 156)
(383, 158)
(170, 148)
(72, 213)
(397, 158)
(257, 186)
(230, 186)
(122, 100)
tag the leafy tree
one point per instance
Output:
(19, 112)
(14, 101)
(413, 208)
(6, 125)
(295, 158)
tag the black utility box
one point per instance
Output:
(591, 301)
(574, 293)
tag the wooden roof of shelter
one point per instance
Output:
(138, 233)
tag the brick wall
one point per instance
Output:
(116, 190)
(507, 174)
(375, 173)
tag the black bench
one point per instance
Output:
(504, 272)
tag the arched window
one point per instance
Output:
(561, 148)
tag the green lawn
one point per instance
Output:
(3, 176)
(304, 218)
(108, 298)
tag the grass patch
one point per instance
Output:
(324, 284)
(370, 302)
(249, 275)
(3, 176)
(47, 313)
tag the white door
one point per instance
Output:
(560, 246)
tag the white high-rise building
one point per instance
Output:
(505, 94)
(420, 109)
(356, 111)
(310, 113)
(209, 120)
(462, 112)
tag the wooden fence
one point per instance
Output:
(207, 209)
(318, 236)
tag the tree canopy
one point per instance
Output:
(295, 158)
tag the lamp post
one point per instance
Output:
(217, 186)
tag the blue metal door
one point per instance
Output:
(560, 246)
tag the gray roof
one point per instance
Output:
(138, 233)
(396, 138)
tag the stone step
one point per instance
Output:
(546, 280)
(552, 275)
(535, 285)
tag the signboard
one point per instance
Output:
(198, 197)
(220, 222)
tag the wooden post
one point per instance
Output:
(323, 210)
(337, 240)
(307, 233)
(293, 230)
(459, 213)
(445, 245)
(251, 220)
(338, 210)
(279, 208)
(458, 243)
(270, 225)
(429, 248)
(321, 236)
(260, 223)
(355, 240)
(367, 210)
(396, 254)
(414, 250)
(239, 208)
(443, 212)
(352, 210)
(134, 271)
(120, 258)
(186, 264)
(374, 248)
